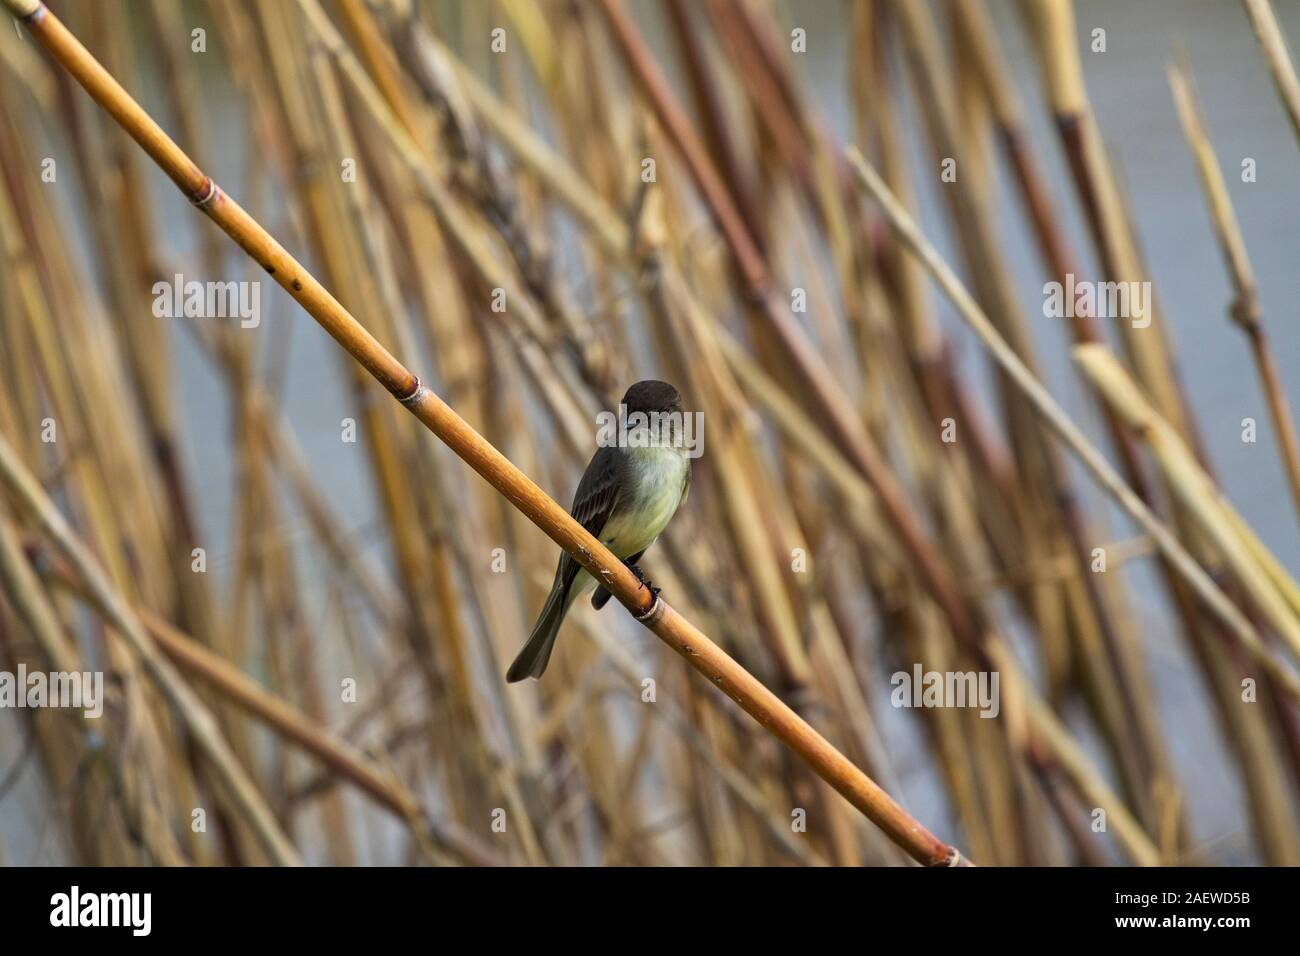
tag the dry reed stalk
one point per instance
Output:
(956, 477)
(447, 618)
(607, 279)
(814, 378)
(88, 418)
(1270, 663)
(681, 298)
(450, 217)
(1198, 493)
(976, 29)
(554, 171)
(776, 827)
(1277, 56)
(1052, 519)
(112, 843)
(757, 560)
(339, 756)
(705, 87)
(1053, 28)
(439, 417)
(198, 720)
(1244, 309)
(1092, 786)
(454, 221)
(307, 90)
(1213, 599)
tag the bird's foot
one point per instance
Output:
(645, 581)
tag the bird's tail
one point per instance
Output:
(532, 660)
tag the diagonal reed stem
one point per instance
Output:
(1046, 406)
(702, 653)
(198, 719)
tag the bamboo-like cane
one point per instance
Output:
(601, 220)
(812, 373)
(442, 420)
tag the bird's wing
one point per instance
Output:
(595, 500)
(602, 595)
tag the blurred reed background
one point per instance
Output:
(833, 537)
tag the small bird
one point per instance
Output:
(627, 496)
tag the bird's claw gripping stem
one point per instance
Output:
(645, 581)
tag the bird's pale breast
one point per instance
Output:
(658, 476)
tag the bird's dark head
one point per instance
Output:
(652, 396)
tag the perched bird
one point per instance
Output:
(627, 495)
